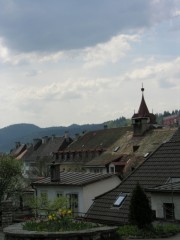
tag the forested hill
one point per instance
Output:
(25, 133)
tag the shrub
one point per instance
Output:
(140, 212)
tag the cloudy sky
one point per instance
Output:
(84, 61)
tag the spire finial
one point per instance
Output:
(142, 89)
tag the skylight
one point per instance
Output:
(116, 149)
(119, 200)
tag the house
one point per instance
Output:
(172, 120)
(87, 147)
(133, 146)
(79, 187)
(161, 165)
(39, 154)
(165, 199)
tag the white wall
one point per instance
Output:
(86, 194)
(53, 190)
(95, 189)
(157, 200)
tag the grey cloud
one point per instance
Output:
(44, 25)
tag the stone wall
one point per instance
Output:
(15, 232)
(7, 214)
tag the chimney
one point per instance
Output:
(36, 143)
(17, 144)
(53, 137)
(55, 172)
(77, 135)
(66, 136)
(44, 139)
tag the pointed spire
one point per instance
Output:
(143, 109)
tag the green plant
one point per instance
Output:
(140, 212)
(59, 221)
(11, 180)
(42, 204)
(158, 230)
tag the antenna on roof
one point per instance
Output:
(142, 89)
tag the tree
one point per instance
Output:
(10, 177)
(140, 212)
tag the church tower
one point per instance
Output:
(143, 120)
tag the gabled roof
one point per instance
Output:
(74, 179)
(99, 139)
(45, 149)
(19, 150)
(124, 146)
(171, 187)
(105, 158)
(154, 171)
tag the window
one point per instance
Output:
(59, 194)
(168, 211)
(73, 202)
(44, 199)
(119, 200)
(116, 149)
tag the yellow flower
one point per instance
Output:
(69, 211)
(50, 217)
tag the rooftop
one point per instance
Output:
(74, 179)
(162, 164)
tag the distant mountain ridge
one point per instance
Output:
(25, 133)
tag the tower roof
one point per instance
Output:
(143, 111)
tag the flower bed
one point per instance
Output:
(60, 221)
(58, 225)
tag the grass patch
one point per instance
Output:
(159, 230)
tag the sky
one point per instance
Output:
(79, 61)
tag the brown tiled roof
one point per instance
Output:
(105, 158)
(45, 149)
(124, 145)
(19, 150)
(74, 179)
(154, 171)
(98, 139)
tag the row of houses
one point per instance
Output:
(93, 169)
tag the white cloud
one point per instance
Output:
(166, 73)
(111, 51)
